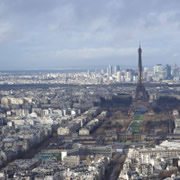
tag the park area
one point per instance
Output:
(136, 126)
(137, 123)
(139, 117)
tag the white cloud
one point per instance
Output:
(93, 53)
(88, 29)
(6, 32)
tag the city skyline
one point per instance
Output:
(45, 35)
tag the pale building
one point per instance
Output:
(63, 131)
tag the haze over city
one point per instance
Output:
(44, 34)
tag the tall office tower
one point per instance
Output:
(175, 72)
(159, 73)
(109, 70)
(116, 69)
(88, 73)
(167, 70)
(145, 73)
(119, 76)
(157, 69)
(128, 75)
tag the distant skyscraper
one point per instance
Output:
(116, 69)
(128, 75)
(175, 72)
(119, 76)
(145, 73)
(157, 69)
(168, 71)
(159, 73)
(109, 70)
(88, 72)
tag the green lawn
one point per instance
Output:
(139, 117)
(136, 126)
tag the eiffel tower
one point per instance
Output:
(141, 95)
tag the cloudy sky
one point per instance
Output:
(53, 34)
